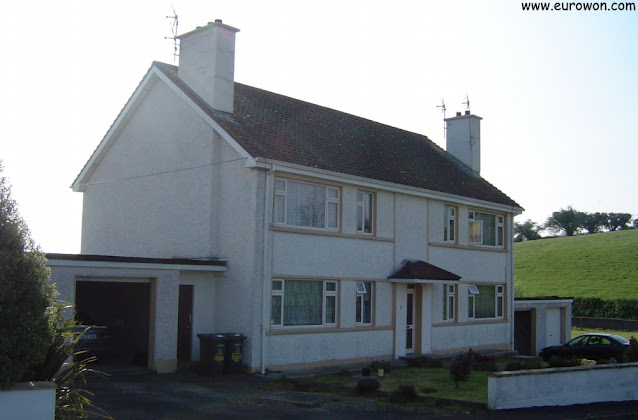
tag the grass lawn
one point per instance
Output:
(439, 381)
(603, 265)
(436, 382)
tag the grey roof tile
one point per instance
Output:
(273, 126)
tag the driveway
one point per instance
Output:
(145, 395)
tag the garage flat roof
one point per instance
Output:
(212, 264)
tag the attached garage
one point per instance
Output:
(155, 307)
(541, 322)
(125, 307)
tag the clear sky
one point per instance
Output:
(557, 90)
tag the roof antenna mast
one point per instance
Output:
(469, 125)
(466, 103)
(174, 32)
(442, 106)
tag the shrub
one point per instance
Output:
(514, 366)
(477, 361)
(367, 386)
(424, 362)
(599, 308)
(63, 366)
(482, 362)
(460, 368)
(403, 394)
(25, 295)
(631, 354)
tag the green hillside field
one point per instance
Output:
(602, 265)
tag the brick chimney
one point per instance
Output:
(207, 63)
(463, 139)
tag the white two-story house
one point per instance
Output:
(324, 238)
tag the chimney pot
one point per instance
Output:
(458, 114)
(218, 21)
(467, 112)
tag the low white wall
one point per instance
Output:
(563, 386)
(28, 400)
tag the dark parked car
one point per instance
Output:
(96, 341)
(589, 346)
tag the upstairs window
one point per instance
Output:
(365, 212)
(449, 228)
(306, 205)
(486, 229)
(364, 302)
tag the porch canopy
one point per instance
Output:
(417, 271)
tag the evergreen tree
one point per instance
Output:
(25, 294)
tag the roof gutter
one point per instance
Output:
(292, 168)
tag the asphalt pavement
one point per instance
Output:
(134, 393)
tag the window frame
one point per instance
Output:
(327, 294)
(328, 202)
(368, 202)
(449, 302)
(499, 301)
(499, 229)
(360, 308)
(450, 224)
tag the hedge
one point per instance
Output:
(599, 308)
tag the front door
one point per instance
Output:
(409, 322)
(185, 322)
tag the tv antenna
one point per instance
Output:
(466, 103)
(174, 32)
(442, 106)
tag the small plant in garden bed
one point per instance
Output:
(631, 354)
(386, 366)
(460, 370)
(424, 362)
(367, 386)
(405, 393)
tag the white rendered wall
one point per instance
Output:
(203, 306)
(563, 386)
(411, 228)
(314, 348)
(475, 335)
(237, 234)
(142, 200)
(316, 255)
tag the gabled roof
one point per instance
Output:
(420, 270)
(275, 127)
(272, 126)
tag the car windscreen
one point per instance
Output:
(621, 340)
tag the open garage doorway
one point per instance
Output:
(124, 307)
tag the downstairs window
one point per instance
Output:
(303, 302)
